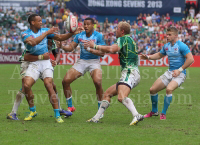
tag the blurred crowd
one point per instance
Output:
(148, 30)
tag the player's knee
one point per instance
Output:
(65, 82)
(48, 85)
(169, 90)
(152, 90)
(26, 86)
(97, 83)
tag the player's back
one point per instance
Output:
(128, 54)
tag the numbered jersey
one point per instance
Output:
(128, 54)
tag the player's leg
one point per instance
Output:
(47, 76)
(123, 92)
(175, 83)
(70, 76)
(62, 111)
(31, 76)
(97, 80)
(28, 83)
(20, 95)
(157, 86)
(110, 92)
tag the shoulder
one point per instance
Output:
(44, 29)
(182, 45)
(26, 32)
(97, 34)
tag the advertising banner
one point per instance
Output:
(126, 7)
(108, 59)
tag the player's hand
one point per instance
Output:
(46, 56)
(78, 30)
(176, 73)
(59, 44)
(53, 63)
(88, 43)
(52, 30)
(144, 56)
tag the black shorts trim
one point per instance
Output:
(121, 83)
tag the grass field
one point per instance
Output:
(181, 127)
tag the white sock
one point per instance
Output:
(104, 105)
(129, 104)
(17, 102)
(59, 107)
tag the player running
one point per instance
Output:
(130, 75)
(87, 62)
(35, 40)
(180, 58)
(25, 58)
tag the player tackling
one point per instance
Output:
(180, 58)
(130, 75)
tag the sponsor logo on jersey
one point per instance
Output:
(166, 48)
(23, 35)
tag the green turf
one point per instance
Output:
(181, 127)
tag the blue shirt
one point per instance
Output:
(96, 37)
(40, 48)
(175, 54)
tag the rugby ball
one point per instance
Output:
(71, 24)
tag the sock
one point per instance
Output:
(99, 103)
(69, 101)
(18, 100)
(59, 107)
(33, 109)
(129, 104)
(56, 113)
(167, 101)
(154, 100)
(104, 105)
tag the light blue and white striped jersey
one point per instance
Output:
(40, 48)
(96, 37)
(175, 54)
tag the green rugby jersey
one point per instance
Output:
(128, 54)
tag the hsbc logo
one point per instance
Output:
(106, 60)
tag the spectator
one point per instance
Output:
(167, 18)
(194, 29)
(192, 12)
(149, 19)
(153, 17)
(198, 17)
(158, 18)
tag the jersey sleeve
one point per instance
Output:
(24, 36)
(101, 40)
(76, 38)
(49, 36)
(118, 42)
(184, 49)
(162, 51)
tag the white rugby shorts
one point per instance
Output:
(83, 66)
(40, 69)
(167, 78)
(130, 78)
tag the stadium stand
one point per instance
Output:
(148, 30)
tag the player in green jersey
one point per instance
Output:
(130, 75)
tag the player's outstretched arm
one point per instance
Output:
(189, 60)
(34, 41)
(68, 48)
(63, 37)
(152, 57)
(103, 49)
(32, 58)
